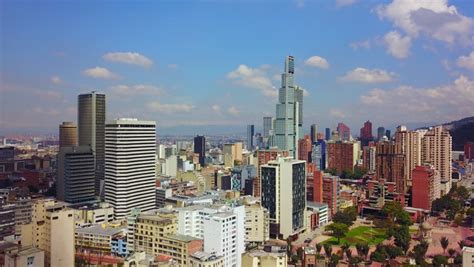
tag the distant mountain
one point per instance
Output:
(461, 130)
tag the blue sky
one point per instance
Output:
(200, 63)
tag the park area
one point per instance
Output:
(360, 234)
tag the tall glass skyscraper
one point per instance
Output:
(289, 111)
(250, 135)
(91, 131)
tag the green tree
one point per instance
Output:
(334, 260)
(379, 255)
(440, 260)
(338, 230)
(362, 250)
(318, 247)
(444, 241)
(327, 250)
(402, 237)
(347, 216)
(393, 251)
(396, 214)
(419, 252)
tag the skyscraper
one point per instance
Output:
(366, 133)
(305, 149)
(409, 143)
(344, 131)
(91, 131)
(284, 195)
(437, 151)
(289, 111)
(200, 148)
(67, 134)
(314, 133)
(380, 133)
(250, 134)
(130, 169)
(76, 174)
(425, 187)
(327, 136)
(390, 165)
(267, 126)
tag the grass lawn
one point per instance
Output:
(361, 234)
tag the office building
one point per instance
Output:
(390, 165)
(98, 238)
(318, 215)
(425, 187)
(200, 148)
(23, 213)
(67, 134)
(369, 158)
(344, 132)
(388, 134)
(314, 133)
(380, 133)
(263, 157)
(327, 135)
(180, 247)
(437, 151)
(366, 133)
(330, 192)
(250, 135)
(76, 174)
(305, 149)
(318, 154)
(257, 223)
(342, 156)
(267, 126)
(409, 143)
(91, 115)
(51, 230)
(289, 111)
(130, 169)
(284, 195)
(93, 213)
(7, 220)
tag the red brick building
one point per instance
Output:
(390, 166)
(305, 148)
(425, 187)
(469, 150)
(340, 156)
(263, 157)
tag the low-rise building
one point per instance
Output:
(203, 259)
(257, 223)
(98, 238)
(7, 220)
(467, 256)
(179, 247)
(94, 213)
(257, 258)
(25, 256)
(317, 215)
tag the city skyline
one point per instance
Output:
(393, 70)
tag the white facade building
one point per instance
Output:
(130, 171)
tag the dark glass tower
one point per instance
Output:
(200, 148)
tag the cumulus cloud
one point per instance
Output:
(143, 89)
(397, 45)
(99, 73)
(466, 61)
(55, 80)
(317, 62)
(364, 75)
(360, 44)
(254, 78)
(133, 58)
(423, 104)
(342, 3)
(233, 111)
(435, 19)
(169, 108)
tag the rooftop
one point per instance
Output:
(100, 229)
(183, 238)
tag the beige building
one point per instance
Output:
(409, 143)
(232, 154)
(97, 238)
(149, 230)
(467, 256)
(204, 259)
(26, 256)
(437, 151)
(257, 223)
(51, 230)
(179, 247)
(258, 258)
(99, 213)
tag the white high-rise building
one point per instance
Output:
(437, 151)
(289, 112)
(222, 228)
(130, 147)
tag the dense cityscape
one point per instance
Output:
(111, 190)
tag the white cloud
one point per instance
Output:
(337, 113)
(233, 111)
(342, 3)
(169, 108)
(129, 58)
(318, 62)
(56, 80)
(255, 78)
(466, 61)
(143, 89)
(434, 18)
(99, 73)
(423, 104)
(360, 44)
(397, 45)
(216, 108)
(364, 75)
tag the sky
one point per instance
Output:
(197, 65)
